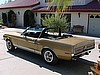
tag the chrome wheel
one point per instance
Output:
(9, 45)
(48, 56)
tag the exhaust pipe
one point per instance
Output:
(87, 53)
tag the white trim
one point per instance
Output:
(28, 49)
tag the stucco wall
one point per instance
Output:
(75, 19)
(19, 15)
(80, 20)
(0, 15)
(37, 18)
(83, 20)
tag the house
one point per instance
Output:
(20, 11)
(29, 12)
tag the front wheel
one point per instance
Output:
(49, 57)
(10, 45)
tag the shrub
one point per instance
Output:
(1, 21)
(56, 21)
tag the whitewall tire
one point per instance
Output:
(10, 45)
(49, 57)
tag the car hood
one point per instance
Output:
(13, 33)
(73, 40)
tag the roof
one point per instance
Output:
(20, 4)
(93, 6)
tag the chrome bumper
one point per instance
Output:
(80, 54)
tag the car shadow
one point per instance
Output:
(74, 67)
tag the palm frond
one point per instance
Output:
(61, 4)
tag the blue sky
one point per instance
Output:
(2, 1)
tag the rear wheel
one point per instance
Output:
(49, 57)
(10, 45)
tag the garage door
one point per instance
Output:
(94, 24)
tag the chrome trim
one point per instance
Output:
(82, 53)
(28, 49)
(86, 52)
(47, 47)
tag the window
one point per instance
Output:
(43, 17)
(97, 16)
(91, 16)
(33, 32)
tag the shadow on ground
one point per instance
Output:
(78, 67)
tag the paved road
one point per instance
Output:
(21, 62)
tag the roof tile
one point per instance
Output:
(93, 6)
(19, 3)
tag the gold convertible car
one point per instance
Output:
(48, 43)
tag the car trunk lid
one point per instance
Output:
(72, 41)
(79, 44)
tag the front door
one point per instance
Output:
(27, 43)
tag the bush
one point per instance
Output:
(56, 21)
(1, 21)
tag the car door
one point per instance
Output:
(27, 42)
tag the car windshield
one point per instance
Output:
(33, 32)
(52, 33)
(49, 33)
(36, 29)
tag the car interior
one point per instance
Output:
(46, 33)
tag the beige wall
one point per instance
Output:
(79, 20)
(20, 16)
(83, 20)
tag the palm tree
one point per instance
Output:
(61, 4)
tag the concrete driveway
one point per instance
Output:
(21, 62)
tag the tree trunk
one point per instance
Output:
(59, 32)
